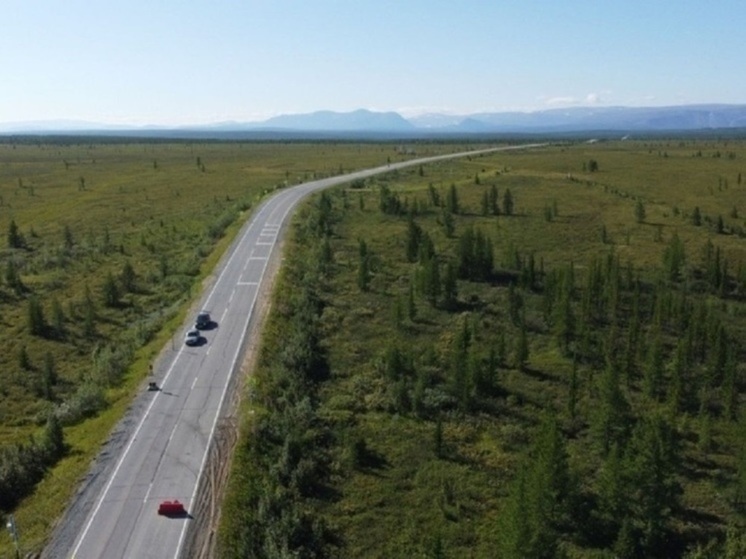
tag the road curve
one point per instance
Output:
(163, 450)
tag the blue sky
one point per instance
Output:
(198, 61)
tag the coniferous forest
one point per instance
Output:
(535, 354)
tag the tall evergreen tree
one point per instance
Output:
(639, 211)
(363, 269)
(653, 491)
(611, 487)
(15, 239)
(494, 202)
(508, 202)
(414, 234)
(611, 417)
(653, 382)
(37, 324)
(452, 202)
(13, 278)
(450, 287)
(521, 347)
(110, 291)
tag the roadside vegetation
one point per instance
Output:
(105, 245)
(526, 354)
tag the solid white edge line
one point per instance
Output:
(346, 178)
(308, 188)
(101, 498)
(220, 405)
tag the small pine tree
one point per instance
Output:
(363, 271)
(110, 292)
(89, 314)
(58, 319)
(452, 203)
(67, 238)
(36, 323)
(15, 239)
(13, 278)
(449, 224)
(640, 212)
(696, 217)
(127, 278)
(450, 287)
(508, 202)
(438, 438)
(24, 361)
(494, 202)
(521, 348)
(54, 439)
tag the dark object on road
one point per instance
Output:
(203, 321)
(152, 386)
(171, 508)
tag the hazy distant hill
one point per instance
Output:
(371, 124)
(361, 119)
(637, 119)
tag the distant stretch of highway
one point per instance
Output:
(165, 453)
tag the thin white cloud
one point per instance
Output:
(566, 100)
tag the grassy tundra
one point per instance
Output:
(525, 354)
(104, 247)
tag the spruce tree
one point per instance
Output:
(36, 322)
(363, 270)
(15, 239)
(508, 202)
(612, 490)
(610, 422)
(414, 234)
(653, 492)
(452, 203)
(521, 347)
(450, 287)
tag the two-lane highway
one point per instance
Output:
(165, 456)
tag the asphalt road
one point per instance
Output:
(165, 453)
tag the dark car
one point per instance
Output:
(203, 320)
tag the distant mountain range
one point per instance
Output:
(627, 120)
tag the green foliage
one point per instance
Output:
(651, 461)
(598, 322)
(110, 291)
(696, 217)
(170, 225)
(475, 256)
(13, 278)
(674, 258)
(37, 324)
(508, 202)
(23, 465)
(364, 266)
(540, 499)
(389, 202)
(15, 239)
(127, 278)
(452, 203)
(640, 212)
(287, 463)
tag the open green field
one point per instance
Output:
(443, 377)
(105, 245)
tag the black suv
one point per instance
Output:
(203, 320)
